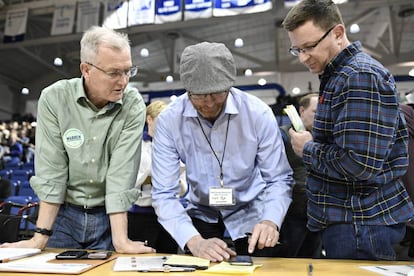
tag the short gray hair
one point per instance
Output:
(96, 36)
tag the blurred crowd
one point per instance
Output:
(17, 142)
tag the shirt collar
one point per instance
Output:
(341, 58)
(81, 97)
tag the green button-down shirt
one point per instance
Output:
(84, 155)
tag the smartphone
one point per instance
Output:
(241, 260)
(71, 254)
(99, 255)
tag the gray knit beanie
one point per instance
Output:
(207, 68)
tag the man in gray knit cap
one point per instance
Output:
(239, 178)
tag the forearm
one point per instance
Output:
(119, 229)
(45, 220)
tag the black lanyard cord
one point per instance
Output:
(211, 147)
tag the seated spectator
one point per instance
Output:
(143, 223)
(14, 151)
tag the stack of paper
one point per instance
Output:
(294, 117)
(160, 263)
(10, 254)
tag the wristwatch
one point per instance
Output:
(43, 231)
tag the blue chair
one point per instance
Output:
(29, 166)
(5, 173)
(13, 165)
(22, 207)
(20, 175)
(25, 189)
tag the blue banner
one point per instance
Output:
(234, 7)
(198, 9)
(168, 11)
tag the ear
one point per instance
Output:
(84, 68)
(301, 110)
(149, 119)
(339, 31)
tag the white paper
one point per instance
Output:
(7, 254)
(390, 270)
(135, 263)
(39, 264)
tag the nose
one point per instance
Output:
(303, 56)
(124, 79)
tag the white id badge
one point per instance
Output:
(219, 196)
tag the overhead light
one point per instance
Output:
(354, 28)
(58, 61)
(169, 79)
(411, 73)
(248, 72)
(296, 91)
(238, 43)
(25, 91)
(144, 52)
(262, 81)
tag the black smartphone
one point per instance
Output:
(241, 260)
(71, 254)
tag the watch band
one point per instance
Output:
(43, 231)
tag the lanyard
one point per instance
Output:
(211, 147)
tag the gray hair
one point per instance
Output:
(324, 14)
(96, 36)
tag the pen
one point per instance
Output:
(6, 260)
(248, 234)
(168, 269)
(310, 269)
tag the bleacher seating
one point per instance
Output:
(17, 218)
(20, 174)
(5, 173)
(24, 189)
(13, 165)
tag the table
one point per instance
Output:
(271, 266)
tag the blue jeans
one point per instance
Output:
(362, 242)
(79, 229)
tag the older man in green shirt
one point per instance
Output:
(88, 144)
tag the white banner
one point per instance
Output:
(141, 12)
(198, 9)
(116, 14)
(63, 18)
(88, 15)
(291, 3)
(15, 26)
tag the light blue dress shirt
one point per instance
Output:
(254, 165)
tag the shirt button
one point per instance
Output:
(90, 180)
(94, 138)
(89, 196)
(93, 160)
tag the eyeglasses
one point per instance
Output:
(199, 97)
(131, 72)
(296, 50)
